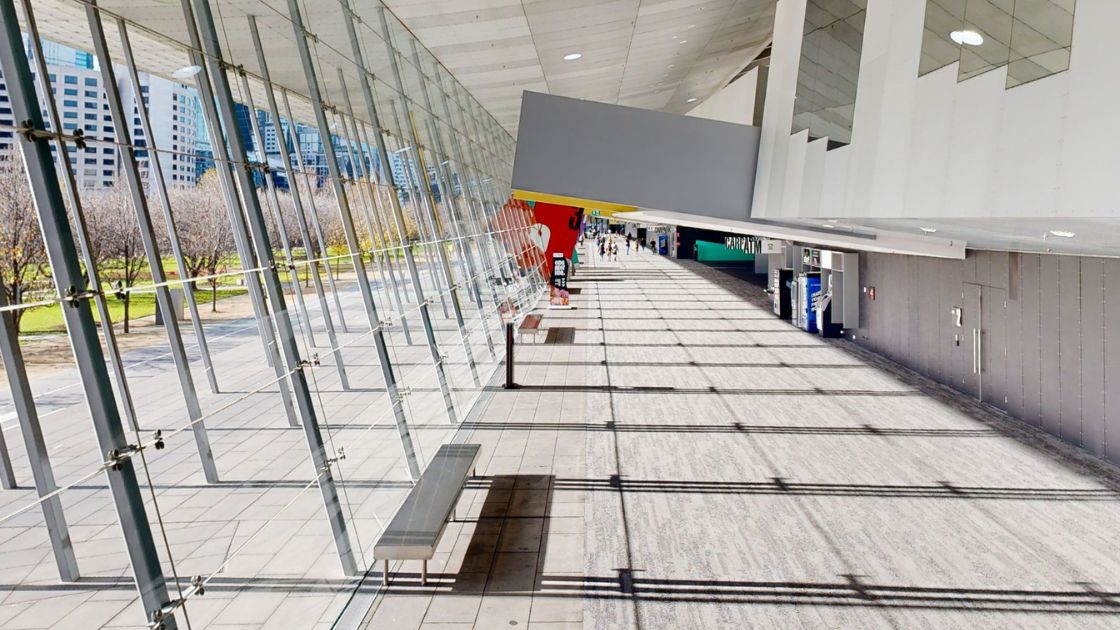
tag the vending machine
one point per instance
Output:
(780, 280)
(808, 285)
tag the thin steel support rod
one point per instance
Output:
(391, 386)
(37, 454)
(314, 212)
(448, 193)
(241, 236)
(233, 205)
(286, 334)
(71, 187)
(360, 173)
(360, 195)
(441, 251)
(274, 205)
(301, 219)
(417, 200)
(67, 274)
(131, 170)
(384, 228)
(398, 214)
(156, 172)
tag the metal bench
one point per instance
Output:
(530, 325)
(418, 525)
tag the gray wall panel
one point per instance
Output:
(997, 274)
(1059, 363)
(1069, 347)
(1112, 360)
(1050, 346)
(1092, 355)
(638, 157)
(1014, 388)
(1031, 339)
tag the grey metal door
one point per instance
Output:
(970, 341)
(993, 346)
(982, 353)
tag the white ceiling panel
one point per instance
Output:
(654, 54)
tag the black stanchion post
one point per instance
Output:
(509, 357)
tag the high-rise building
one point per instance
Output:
(79, 96)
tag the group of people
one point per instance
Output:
(608, 244)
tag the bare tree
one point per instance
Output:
(115, 239)
(326, 207)
(23, 255)
(205, 234)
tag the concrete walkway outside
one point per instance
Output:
(689, 461)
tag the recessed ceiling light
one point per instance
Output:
(692, 100)
(186, 72)
(670, 65)
(928, 230)
(830, 226)
(572, 56)
(1063, 233)
(691, 26)
(967, 38)
(683, 41)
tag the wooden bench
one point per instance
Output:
(418, 525)
(530, 325)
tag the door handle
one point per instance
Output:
(973, 351)
(979, 351)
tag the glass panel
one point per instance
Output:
(938, 49)
(829, 70)
(992, 20)
(1041, 37)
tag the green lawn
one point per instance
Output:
(47, 319)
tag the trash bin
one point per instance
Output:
(178, 304)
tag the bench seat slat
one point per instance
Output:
(418, 525)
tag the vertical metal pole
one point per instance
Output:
(314, 212)
(376, 328)
(233, 208)
(510, 384)
(131, 169)
(274, 203)
(37, 454)
(301, 220)
(360, 175)
(76, 312)
(71, 186)
(398, 213)
(356, 169)
(419, 200)
(464, 245)
(383, 228)
(255, 216)
(441, 251)
(241, 237)
(156, 172)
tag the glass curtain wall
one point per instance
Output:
(318, 214)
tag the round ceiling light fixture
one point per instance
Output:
(967, 38)
(928, 230)
(1063, 233)
(572, 56)
(186, 72)
(692, 100)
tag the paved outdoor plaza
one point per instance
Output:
(676, 457)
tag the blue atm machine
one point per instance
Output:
(808, 285)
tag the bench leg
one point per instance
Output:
(424, 573)
(385, 575)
